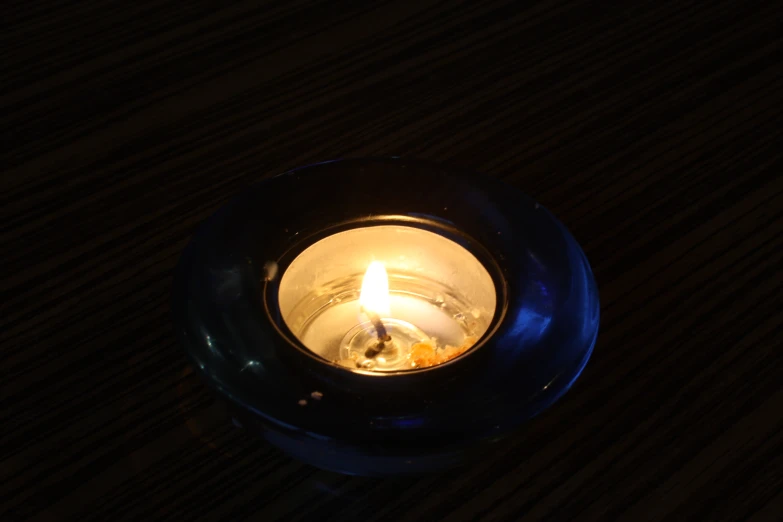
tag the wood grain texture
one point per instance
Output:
(652, 129)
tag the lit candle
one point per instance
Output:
(387, 298)
(357, 312)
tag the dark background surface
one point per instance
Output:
(651, 129)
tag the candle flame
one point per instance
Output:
(374, 296)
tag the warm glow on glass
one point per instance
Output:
(374, 297)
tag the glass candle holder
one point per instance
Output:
(385, 316)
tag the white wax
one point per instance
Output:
(324, 333)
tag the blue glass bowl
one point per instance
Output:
(225, 314)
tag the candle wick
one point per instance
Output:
(380, 331)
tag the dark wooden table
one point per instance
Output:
(652, 129)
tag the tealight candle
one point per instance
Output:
(387, 298)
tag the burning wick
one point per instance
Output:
(374, 301)
(380, 331)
